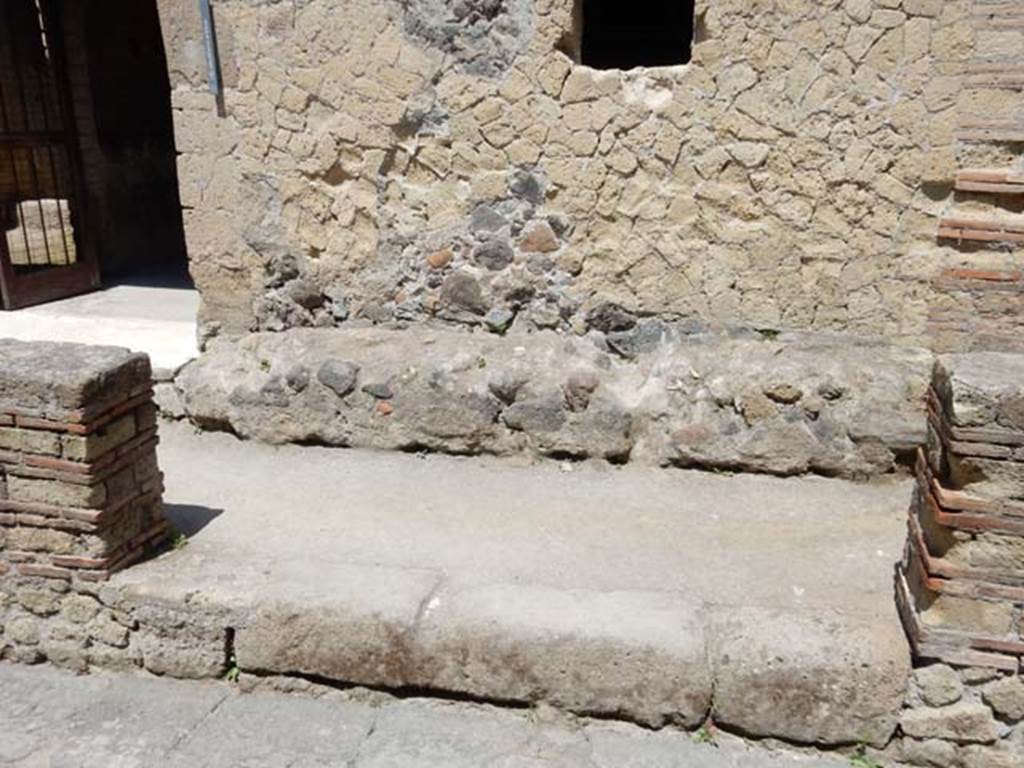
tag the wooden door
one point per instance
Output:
(44, 252)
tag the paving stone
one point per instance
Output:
(275, 730)
(412, 734)
(126, 720)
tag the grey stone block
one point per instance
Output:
(356, 626)
(982, 390)
(642, 655)
(968, 722)
(52, 380)
(418, 733)
(992, 478)
(834, 679)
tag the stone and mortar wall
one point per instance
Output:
(427, 159)
(781, 405)
(80, 495)
(971, 717)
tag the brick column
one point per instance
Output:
(961, 584)
(80, 490)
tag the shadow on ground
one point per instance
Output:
(190, 519)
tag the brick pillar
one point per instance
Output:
(80, 490)
(961, 583)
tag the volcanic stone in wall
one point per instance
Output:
(782, 406)
(484, 36)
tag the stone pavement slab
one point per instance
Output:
(119, 721)
(652, 595)
(158, 321)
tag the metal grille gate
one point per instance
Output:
(41, 249)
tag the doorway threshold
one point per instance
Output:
(159, 321)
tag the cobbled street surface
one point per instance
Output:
(53, 718)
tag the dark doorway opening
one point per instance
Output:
(43, 253)
(122, 95)
(625, 34)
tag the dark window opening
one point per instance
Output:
(625, 34)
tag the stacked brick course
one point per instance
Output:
(80, 489)
(962, 580)
(960, 586)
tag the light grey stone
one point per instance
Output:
(80, 609)
(499, 319)
(538, 414)
(132, 721)
(836, 679)
(461, 291)
(526, 185)
(360, 635)
(982, 390)
(929, 752)
(992, 478)
(965, 722)
(632, 653)
(339, 376)
(23, 630)
(485, 219)
(991, 757)
(535, 531)
(419, 734)
(379, 390)
(168, 401)
(262, 729)
(53, 379)
(109, 632)
(41, 602)
(494, 255)
(1006, 697)
(938, 685)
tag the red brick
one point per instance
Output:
(88, 563)
(94, 516)
(44, 571)
(33, 422)
(60, 465)
(111, 412)
(31, 508)
(987, 275)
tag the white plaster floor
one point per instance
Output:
(158, 321)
